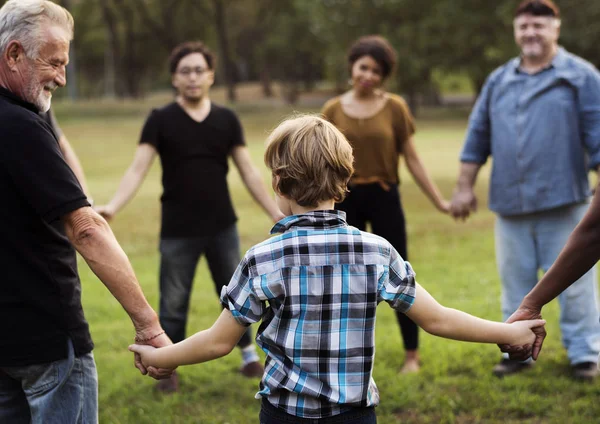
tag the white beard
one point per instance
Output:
(36, 94)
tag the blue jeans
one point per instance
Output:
(269, 414)
(59, 392)
(179, 259)
(524, 245)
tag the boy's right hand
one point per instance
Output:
(523, 335)
(145, 354)
(106, 211)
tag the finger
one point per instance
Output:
(137, 362)
(159, 373)
(539, 341)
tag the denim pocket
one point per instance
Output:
(39, 378)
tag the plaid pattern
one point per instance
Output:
(316, 287)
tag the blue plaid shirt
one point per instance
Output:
(316, 287)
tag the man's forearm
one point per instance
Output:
(468, 175)
(94, 240)
(581, 252)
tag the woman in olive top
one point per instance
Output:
(380, 128)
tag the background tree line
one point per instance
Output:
(121, 46)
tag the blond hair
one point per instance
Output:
(23, 20)
(311, 159)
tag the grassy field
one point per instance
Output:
(454, 261)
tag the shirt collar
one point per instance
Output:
(559, 61)
(316, 220)
(13, 98)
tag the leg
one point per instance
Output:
(64, 391)
(517, 264)
(387, 220)
(179, 258)
(579, 303)
(223, 256)
(13, 402)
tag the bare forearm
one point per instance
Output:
(201, 347)
(260, 194)
(458, 325)
(468, 175)
(98, 246)
(581, 253)
(127, 188)
(424, 181)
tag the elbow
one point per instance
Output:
(436, 326)
(223, 349)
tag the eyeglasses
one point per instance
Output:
(188, 71)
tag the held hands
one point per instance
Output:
(144, 354)
(463, 203)
(149, 341)
(516, 352)
(443, 206)
(524, 336)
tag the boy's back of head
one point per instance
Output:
(310, 159)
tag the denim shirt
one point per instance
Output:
(543, 132)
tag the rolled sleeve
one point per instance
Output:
(397, 286)
(589, 109)
(240, 298)
(477, 144)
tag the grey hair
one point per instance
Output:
(22, 20)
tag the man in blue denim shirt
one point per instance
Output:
(539, 117)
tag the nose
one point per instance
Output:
(61, 76)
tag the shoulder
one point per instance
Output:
(18, 120)
(222, 112)
(397, 102)
(166, 110)
(580, 65)
(332, 104)
(497, 74)
(371, 242)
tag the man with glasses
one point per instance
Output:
(194, 138)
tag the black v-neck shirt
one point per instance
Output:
(40, 291)
(194, 158)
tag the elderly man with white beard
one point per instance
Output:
(47, 371)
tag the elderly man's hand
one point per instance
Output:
(463, 203)
(157, 339)
(518, 352)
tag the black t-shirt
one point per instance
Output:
(40, 291)
(194, 157)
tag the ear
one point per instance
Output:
(13, 54)
(211, 77)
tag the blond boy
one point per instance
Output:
(315, 286)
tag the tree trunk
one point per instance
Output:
(112, 50)
(265, 80)
(226, 64)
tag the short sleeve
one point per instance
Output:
(151, 130)
(38, 170)
(404, 122)
(240, 298)
(397, 286)
(237, 136)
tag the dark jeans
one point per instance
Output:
(269, 414)
(178, 262)
(59, 392)
(370, 203)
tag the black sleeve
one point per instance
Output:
(151, 130)
(51, 120)
(36, 166)
(237, 133)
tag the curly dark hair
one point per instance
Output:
(378, 48)
(190, 47)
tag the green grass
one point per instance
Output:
(454, 261)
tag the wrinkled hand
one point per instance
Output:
(160, 341)
(463, 203)
(521, 353)
(105, 211)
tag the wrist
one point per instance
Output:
(146, 323)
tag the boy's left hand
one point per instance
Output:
(144, 352)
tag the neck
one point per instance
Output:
(364, 95)
(537, 63)
(322, 206)
(188, 104)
